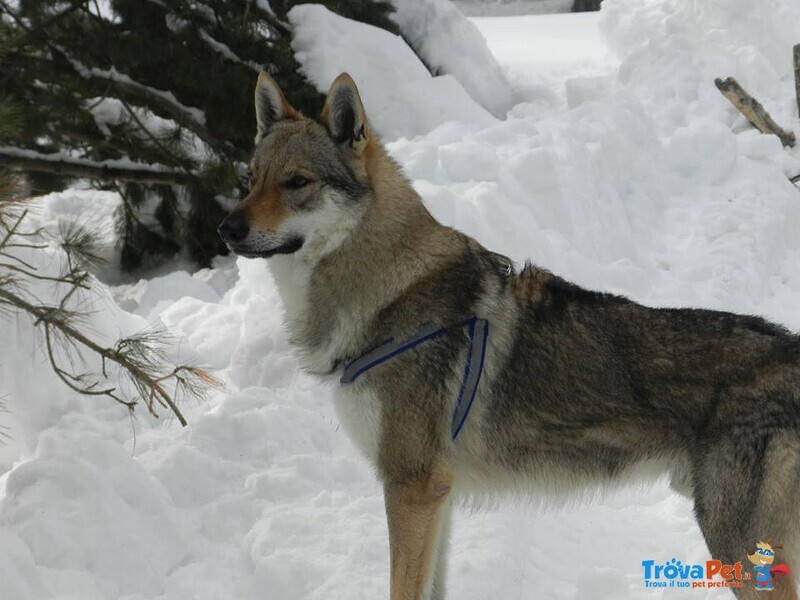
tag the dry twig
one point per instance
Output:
(753, 110)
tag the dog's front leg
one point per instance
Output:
(438, 586)
(414, 510)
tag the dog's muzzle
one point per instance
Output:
(234, 228)
(236, 233)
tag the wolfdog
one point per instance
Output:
(464, 375)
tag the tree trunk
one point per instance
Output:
(797, 76)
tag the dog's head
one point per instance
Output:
(308, 179)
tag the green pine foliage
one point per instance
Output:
(152, 98)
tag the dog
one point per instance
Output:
(575, 388)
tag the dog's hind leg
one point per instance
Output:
(778, 506)
(415, 513)
(739, 500)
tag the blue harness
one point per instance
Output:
(478, 333)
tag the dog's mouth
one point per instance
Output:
(290, 247)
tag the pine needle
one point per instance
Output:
(140, 358)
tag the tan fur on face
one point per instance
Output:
(266, 209)
(269, 205)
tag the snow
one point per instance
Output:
(178, 25)
(549, 49)
(450, 43)
(116, 163)
(111, 111)
(226, 52)
(496, 8)
(265, 6)
(633, 176)
(113, 75)
(407, 104)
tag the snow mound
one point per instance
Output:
(540, 53)
(672, 51)
(450, 43)
(95, 212)
(401, 97)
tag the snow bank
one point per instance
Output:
(672, 51)
(78, 516)
(401, 97)
(546, 50)
(450, 43)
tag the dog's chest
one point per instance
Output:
(359, 410)
(293, 280)
(357, 406)
(323, 336)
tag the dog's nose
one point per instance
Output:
(234, 228)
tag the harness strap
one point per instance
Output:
(386, 351)
(478, 329)
(472, 372)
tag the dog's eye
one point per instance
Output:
(296, 182)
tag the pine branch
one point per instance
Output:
(19, 40)
(164, 104)
(272, 20)
(143, 380)
(139, 355)
(159, 101)
(149, 134)
(27, 160)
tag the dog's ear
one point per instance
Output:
(271, 105)
(344, 116)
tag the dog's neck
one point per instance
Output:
(331, 303)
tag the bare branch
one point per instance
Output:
(26, 160)
(17, 259)
(33, 275)
(752, 110)
(13, 229)
(70, 380)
